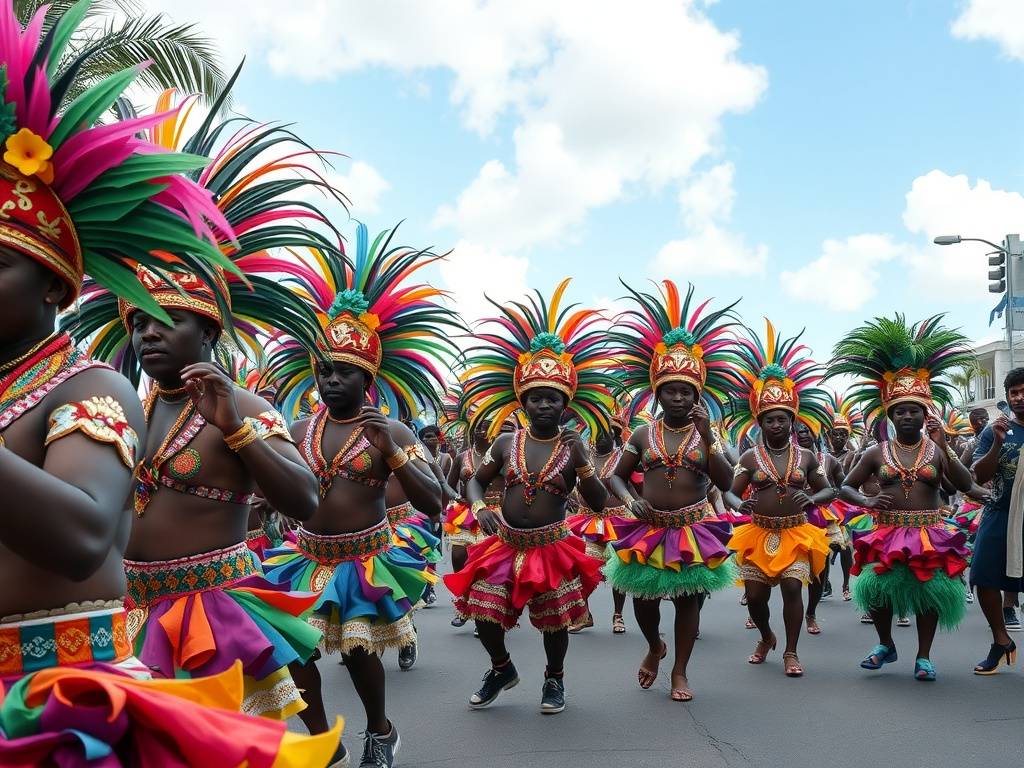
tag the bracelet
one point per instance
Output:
(241, 437)
(585, 472)
(477, 505)
(952, 454)
(3, 442)
(396, 460)
(716, 449)
(627, 501)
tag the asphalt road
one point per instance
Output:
(837, 715)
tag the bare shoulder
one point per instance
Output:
(401, 434)
(298, 429)
(639, 436)
(250, 404)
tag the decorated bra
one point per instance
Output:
(550, 478)
(923, 468)
(352, 462)
(690, 455)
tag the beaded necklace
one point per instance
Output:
(672, 463)
(187, 425)
(533, 481)
(767, 465)
(351, 450)
(908, 475)
(24, 384)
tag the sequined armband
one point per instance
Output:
(269, 424)
(488, 457)
(738, 470)
(820, 472)
(630, 448)
(415, 452)
(100, 418)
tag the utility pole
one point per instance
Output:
(1014, 273)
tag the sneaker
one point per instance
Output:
(407, 656)
(495, 681)
(379, 751)
(340, 759)
(458, 621)
(826, 591)
(970, 597)
(866, 619)
(902, 621)
(552, 698)
(429, 596)
(1010, 620)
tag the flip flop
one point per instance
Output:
(646, 675)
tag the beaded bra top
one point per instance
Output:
(352, 462)
(550, 478)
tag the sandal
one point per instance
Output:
(618, 625)
(761, 651)
(750, 623)
(646, 677)
(812, 626)
(586, 623)
(924, 671)
(997, 656)
(681, 694)
(879, 656)
(791, 663)
(847, 597)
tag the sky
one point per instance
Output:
(797, 155)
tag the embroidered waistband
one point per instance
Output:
(256, 535)
(151, 581)
(400, 512)
(904, 519)
(63, 641)
(528, 538)
(339, 547)
(678, 518)
(778, 523)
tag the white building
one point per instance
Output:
(994, 362)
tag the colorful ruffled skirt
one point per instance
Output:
(911, 563)
(769, 549)
(73, 695)
(597, 530)
(195, 616)
(259, 543)
(545, 569)
(413, 532)
(367, 586)
(671, 554)
(461, 526)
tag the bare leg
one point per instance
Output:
(367, 675)
(757, 605)
(814, 591)
(882, 618)
(846, 563)
(307, 680)
(686, 624)
(618, 601)
(992, 606)
(648, 616)
(927, 623)
(792, 610)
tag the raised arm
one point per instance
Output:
(986, 453)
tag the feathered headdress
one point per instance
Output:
(897, 363)
(843, 414)
(82, 197)
(955, 421)
(664, 340)
(539, 344)
(777, 374)
(250, 179)
(374, 318)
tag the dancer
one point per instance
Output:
(385, 340)
(845, 425)
(546, 360)
(679, 356)
(198, 600)
(996, 568)
(911, 562)
(71, 430)
(779, 547)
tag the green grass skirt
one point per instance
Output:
(645, 581)
(900, 590)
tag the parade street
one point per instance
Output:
(742, 715)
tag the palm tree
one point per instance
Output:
(963, 378)
(120, 37)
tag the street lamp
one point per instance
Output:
(1004, 254)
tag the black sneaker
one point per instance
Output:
(340, 759)
(552, 699)
(458, 621)
(826, 591)
(407, 656)
(429, 596)
(495, 681)
(1010, 620)
(379, 751)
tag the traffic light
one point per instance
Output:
(997, 273)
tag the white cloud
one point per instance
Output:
(363, 186)
(470, 271)
(705, 203)
(845, 276)
(1001, 21)
(940, 204)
